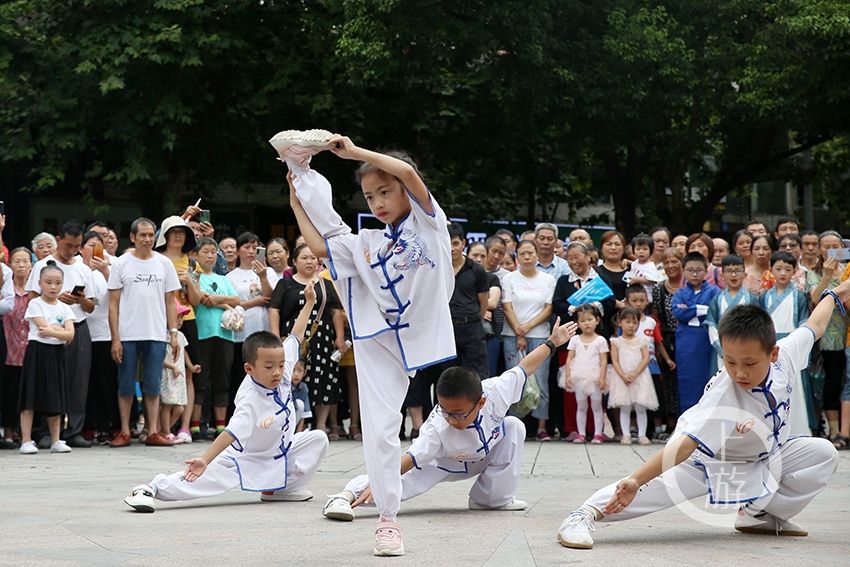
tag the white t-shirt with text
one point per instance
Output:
(143, 285)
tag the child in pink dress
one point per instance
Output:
(584, 372)
(629, 383)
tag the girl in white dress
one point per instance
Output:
(629, 382)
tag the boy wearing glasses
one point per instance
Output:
(467, 435)
(734, 294)
(694, 354)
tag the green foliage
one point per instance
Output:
(665, 106)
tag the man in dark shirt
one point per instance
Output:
(467, 305)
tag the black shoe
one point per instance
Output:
(7, 444)
(78, 442)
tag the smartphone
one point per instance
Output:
(839, 253)
(78, 290)
(2, 208)
(97, 252)
(204, 215)
(261, 255)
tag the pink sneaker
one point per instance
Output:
(580, 439)
(388, 540)
(598, 439)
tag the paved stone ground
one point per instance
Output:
(68, 510)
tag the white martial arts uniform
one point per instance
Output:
(395, 285)
(745, 453)
(265, 455)
(490, 448)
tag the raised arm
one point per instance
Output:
(819, 318)
(308, 230)
(300, 325)
(345, 148)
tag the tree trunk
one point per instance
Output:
(625, 183)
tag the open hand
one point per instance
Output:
(561, 334)
(196, 468)
(364, 498)
(623, 495)
(830, 265)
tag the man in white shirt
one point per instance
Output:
(545, 236)
(143, 321)
(78, 294)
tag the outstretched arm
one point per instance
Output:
(197, 465)
(345, 148)
(674, 452)
(561, 334)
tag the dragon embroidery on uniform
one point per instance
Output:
(410, 252)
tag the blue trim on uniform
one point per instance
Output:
(242, 486)
(236, 441)
(464, 471)
(392, 233)
(703, 448)
(711, 499)
(415, 464)
(774, 408)
(331, 267)
(430, 199)
(524, 380)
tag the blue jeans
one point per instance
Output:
(152, 355)
(541, 375)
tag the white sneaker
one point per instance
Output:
(388, 540)
(512, 506)
(29, 448)
(60, 447)
(338, 508)
(575, 530)
(141, 498)
(286, 496)
(183, 437)
(300, 145)
(764, 523)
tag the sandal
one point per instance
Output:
(333, 434)
(354, 433)
(841, 442)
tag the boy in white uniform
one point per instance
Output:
(746, 455)
(467, 435)
(258, 451)
(395, 285)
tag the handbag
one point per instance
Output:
(305, 344)
(530, 395)
(233, 319)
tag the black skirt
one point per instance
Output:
(43, 379)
